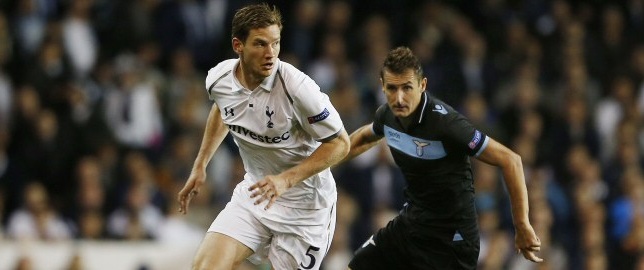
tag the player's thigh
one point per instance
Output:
(293, 252)
(302, 246)
(234, 235)
(240, 221)
(219, 251)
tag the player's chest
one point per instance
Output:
(415, 145)
(259, 111)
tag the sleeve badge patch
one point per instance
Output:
(321, 116)
(475, 140)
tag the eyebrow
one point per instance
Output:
(259, 39)
(402, 84)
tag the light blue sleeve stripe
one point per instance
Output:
(487, 140)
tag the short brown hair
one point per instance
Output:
(400, 60)
(254, 17)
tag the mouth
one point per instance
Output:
(267, 66)
(399, 108)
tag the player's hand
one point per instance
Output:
(190, 189)
(268, 189)
(527, 242)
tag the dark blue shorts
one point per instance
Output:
(408, 242)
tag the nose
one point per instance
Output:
(270, 51)
(399, 96)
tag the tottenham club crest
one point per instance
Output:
(419, 147)
(269, 113)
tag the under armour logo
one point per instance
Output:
(269, 113)
(227, 111)
(419, 147)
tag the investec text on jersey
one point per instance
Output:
(259, 138)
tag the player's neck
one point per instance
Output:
(405, 122)
(247, 79)
(409, 120)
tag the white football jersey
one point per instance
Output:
(278, 125)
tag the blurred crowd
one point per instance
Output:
(103, 105)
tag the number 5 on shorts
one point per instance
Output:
(312, 261)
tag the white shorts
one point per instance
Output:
(290, 238)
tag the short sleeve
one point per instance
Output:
(465, 135)
(216, 75)
(317, 115)
(379, 121)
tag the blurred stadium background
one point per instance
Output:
(102, 108)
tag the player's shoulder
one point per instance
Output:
(384, 116)
(287, 69)
(439, 113)
(220, 70)
(291, 74)
(439, 109)
(296, 81)
(382, 111)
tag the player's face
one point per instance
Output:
(260, 50)
(403, 91)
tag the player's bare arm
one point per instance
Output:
(326, 155)
(361, 140)
(526, 240)
(214, 134)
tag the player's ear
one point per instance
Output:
(423, 84)
(238, 46)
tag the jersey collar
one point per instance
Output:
(267, 83)
(423, 107)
